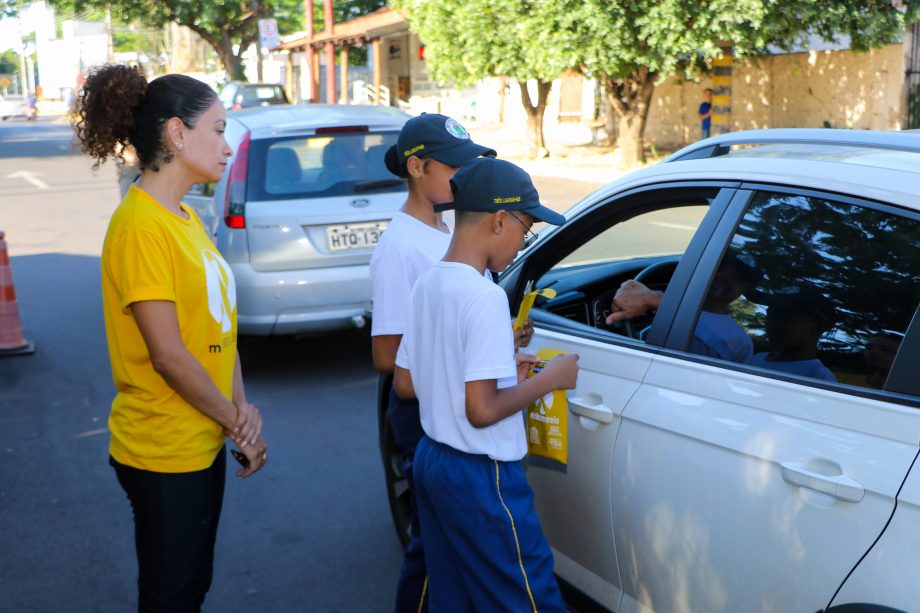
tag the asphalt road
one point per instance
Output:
(311, 532)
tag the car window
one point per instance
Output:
(617, 242)
(657, 233)
(314, 166)
(263, 93)
(814, 287)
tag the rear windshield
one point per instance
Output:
(317, 166)
(263, 93)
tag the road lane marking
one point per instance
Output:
(91, 433)
(30, 177)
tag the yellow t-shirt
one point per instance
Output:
(151, 253)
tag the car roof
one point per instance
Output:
(881, 166)
(268, 121)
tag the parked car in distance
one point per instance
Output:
(17, 106)
(237, 95)
(750, 445)
(299, 211)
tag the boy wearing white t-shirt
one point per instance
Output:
(484, 546)
(429, 150)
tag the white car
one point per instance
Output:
(750, 446)
(299, 211)
(16, 106)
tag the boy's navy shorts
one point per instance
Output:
(484, 547)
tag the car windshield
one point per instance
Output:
(340, 164)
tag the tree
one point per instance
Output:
(466, 40)
(630, 45)
(229, 28)
(9, 62)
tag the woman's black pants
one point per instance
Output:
(175, 527)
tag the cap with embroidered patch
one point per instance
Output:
(489, 185)
(439, 137)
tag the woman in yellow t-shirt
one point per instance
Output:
(170, 317)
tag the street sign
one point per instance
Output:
(268, 33)
(4, 82)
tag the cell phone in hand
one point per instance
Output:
(240, 457)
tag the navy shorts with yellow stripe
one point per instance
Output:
(484, 547)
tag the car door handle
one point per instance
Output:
(592, 407)
(840, 487)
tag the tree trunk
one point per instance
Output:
(609, 117)
(535, 111)
(631, 99)
(233, 64)
(222, 43)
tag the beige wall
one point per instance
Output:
(802, 90)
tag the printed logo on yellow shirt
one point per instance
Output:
(221, 288)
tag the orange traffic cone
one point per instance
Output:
(11, 339)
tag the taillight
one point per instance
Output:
(235, 204)
(341, 129)
(236, 107)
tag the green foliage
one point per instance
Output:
(616, 38)
(470, 39)
(9, 62)
(11, 8)
(221, 24)
(466, 40)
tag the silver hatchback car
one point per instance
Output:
(297, 215)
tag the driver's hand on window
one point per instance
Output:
(633, 300)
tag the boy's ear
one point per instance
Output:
(415, 166)
(498, 222)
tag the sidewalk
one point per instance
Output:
(572, 154)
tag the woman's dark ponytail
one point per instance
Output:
(117, 108)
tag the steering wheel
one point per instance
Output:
(649, 272)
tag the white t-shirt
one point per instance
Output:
(459, 331)
(813, 368)
(718, 335)
(407, 248)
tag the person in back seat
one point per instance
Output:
(282, 171)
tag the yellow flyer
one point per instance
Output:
(548, 419)
(527, 302)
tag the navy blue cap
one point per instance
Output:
(489, 185)
(439, 137)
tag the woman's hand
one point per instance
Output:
(257, 454)
(248, 427)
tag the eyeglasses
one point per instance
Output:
(529, 235)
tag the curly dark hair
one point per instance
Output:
(117, 108)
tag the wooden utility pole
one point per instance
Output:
(722, 92)
(329, 20)
(312, 58)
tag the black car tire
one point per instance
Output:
(397, 485)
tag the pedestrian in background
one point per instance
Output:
(429, 150)
(705, 113)
(170, 317)
(485, 550)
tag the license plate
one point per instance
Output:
(354, 236)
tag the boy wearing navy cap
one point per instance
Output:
(429, 150)
(484, 546)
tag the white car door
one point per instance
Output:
(759, 486)
(585, 264)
